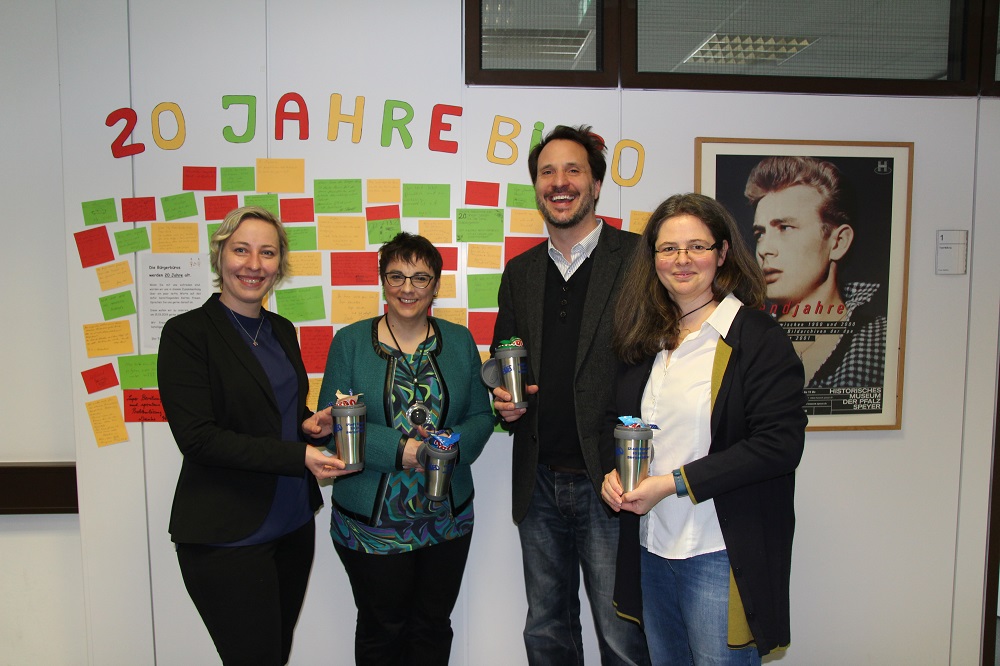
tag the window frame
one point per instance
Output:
(618, 62)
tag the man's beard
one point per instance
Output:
(585, 209)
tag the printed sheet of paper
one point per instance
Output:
(169, 285)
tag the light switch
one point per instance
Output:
(952, 256)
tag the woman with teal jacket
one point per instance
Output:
(405, 554)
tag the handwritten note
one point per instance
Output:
(100, 378)
(479, 225)
(198, 178)
(436, 231)
(132, 240)
(481, 324)
(426, 200)
(353, 268)
(338, 195)
(117, 305)
(268, 202)
(138, 371)
(179, 206)
(524, 221)
(237, 179)
(109, 338)
(447, 288)
(94, 246)
(301, 238)
(297, 210)
(638, 220)
(341, 232)
(454, 315)
(349, 306)
(174, 237)
(301, 303)
(521, 196)
(312, 398)
(106, 421)
(139, 209)
(383, 190)
(100, 211)
(314, 341)
(143, 406)
(483, 290)
(301, 264)
(113, 276)
(382, 231)
(281, 175)
(478, 193)
(484, 256)
(217, 207)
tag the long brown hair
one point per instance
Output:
(646, 317)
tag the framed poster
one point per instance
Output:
(828, 222)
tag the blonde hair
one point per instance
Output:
(229, 227)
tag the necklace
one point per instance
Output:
(399, 348)
(690, 312)
(253, 338)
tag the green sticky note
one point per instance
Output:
(520, 196)
(483, 290)
(100, 211)
(132, 240)
(301, 303)
(265, 201)
(238, 179)
(381, 231)
(479, 225)
(137, 371)
(337, 195)
(426, 200)
(301, 238)
(210, 229)
(117, 305)
(178, 206)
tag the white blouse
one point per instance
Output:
(678, 399)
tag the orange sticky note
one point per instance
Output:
(384, 190)
(106, 421)
(484, 256)
(348, 306)
(437, 231)
(526, 221)
(341, 232)
(447, 287)
(638, 220)
(305, 263)
(108, 338)
(113, 276)
(281, 175)
(454, 315)
(174, 237)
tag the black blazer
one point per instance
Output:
(758, 434)
(225, 420)
(521, 297)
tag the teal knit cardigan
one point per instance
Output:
(357, 362)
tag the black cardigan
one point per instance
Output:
(758, 434)
(225, 420)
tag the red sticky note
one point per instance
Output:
(198, 178)
(478, 193)
(143, 406)
(353, 268)
(450, 257)
(217, 207)
(297, 210)
(390, 212)
(100, 378)
(94, 246)
(314, 341)
(616, 222)
(482, 324)
(515, 245)
(139, 209)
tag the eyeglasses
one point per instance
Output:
(696, 250)
(419, 280)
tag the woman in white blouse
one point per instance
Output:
(705, 550)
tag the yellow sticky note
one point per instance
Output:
(174, 237)
(384, 190)
(305, 263)
(439, 232)
(637, 221)
(107, 421)
(484, 256)
(281, 175)
(458, 316)
(348, 306)
(525, 221)
(312, 398)
(114, 276)
(108, 338)
(447, 288)
(341, 232)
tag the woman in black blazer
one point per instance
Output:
(234, 389)
(707, 537)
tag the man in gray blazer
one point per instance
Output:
(559, 297)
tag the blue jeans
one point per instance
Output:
(685, 608)
(567, 528)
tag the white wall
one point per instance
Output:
(890, 547)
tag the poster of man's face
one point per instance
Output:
(789, 231)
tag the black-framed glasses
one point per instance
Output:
(695, 250)
(418, 280)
